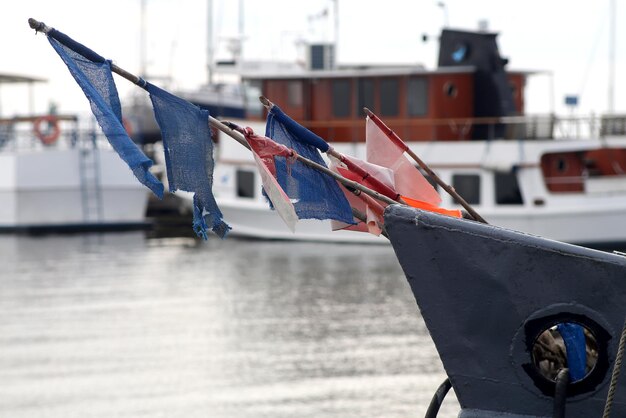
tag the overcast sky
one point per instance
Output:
(568, 38)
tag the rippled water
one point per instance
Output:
(118, 325)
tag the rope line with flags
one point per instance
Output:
(291, 174)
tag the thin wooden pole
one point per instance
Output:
(398, 141)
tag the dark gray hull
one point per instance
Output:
(484, 293)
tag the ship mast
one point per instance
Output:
(209, 50)
(336, 51)
(142, 40)
(611, 92)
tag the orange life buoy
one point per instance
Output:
(52, 134)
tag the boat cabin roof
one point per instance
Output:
(364, 71)
(14, 78)
(353, 72)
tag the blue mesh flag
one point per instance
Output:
(189, 156)
(576, 348)
(315, 194)
(93, 75)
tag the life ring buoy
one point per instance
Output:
(50, 136)
(128, 126)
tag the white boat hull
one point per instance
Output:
(595, 217)
(604, 227)
(251, 219)
(44, 189)
(599, 228)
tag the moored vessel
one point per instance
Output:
(57, 175)
(561, 178)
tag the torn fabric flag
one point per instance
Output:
(315, 194)
(93, 74)
(189, 156)
(372, 176)
(264, 151)
(408, 180)
(368, 206)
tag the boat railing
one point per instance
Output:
(527, 127)
(41, 133)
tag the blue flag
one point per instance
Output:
(189, 156)
(315, 195)
(93, 75)
(576, 348)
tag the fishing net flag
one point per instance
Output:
(189, 160)
(265, 151)
(93, 74)
(315, 194)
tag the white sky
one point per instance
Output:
(570, 38)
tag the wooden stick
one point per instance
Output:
(398, 141)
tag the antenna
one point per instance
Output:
(240, 21)
(335, 52)
(612, 57)
(209, 41)
(445, 13)
(142, 41)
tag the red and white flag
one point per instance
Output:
(408, 181)
(264, 150)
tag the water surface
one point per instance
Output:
(117, 325)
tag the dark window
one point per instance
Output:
(252, 92)
(245, 183)
(389, 97)
(365, 96)
(507, 189)
(295, 94)
(450, 89)
(317, 57)
(341, 98)
(417, 96)
(468, 186)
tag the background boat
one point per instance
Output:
(562, 178)
(58, 174)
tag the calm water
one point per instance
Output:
(118, 325)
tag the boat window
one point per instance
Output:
(468, 186)
(507, 189)
(365, 95)
(564, 172)
(450, 89)
(389, 97)
(252, 91)
(245, 183)
(294, 94)
(417, 96)
(341, 98)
